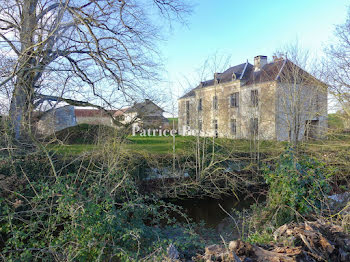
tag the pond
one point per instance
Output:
(209, 211)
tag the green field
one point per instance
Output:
(164, 145)
(153, 145)
(174, 121)
(79, 139)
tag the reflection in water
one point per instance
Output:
(208, 209)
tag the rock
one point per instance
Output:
(346, 222)
(279, 232)
(234, 257)
(172, 252)
(214, 250)
(326, 245)
(240, 248)
(340, 198)
(219, 253)
(289, 232)
(233, 246)
(343, 255)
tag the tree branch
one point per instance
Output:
(74, 102)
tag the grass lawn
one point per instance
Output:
(174, 121)
(75, 149)
(164, 145)
(335, 121)
(336, 141)
(153, 145)
(158, 144)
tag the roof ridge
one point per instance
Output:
(280, 71)
(245, 67)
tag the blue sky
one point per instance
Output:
(244, 29)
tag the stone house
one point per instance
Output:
(56, 119)
(145, 113)
(96, 117)
(268, 101)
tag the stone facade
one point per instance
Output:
(57, 119)
(143, 114)
(94, 117)
(249, 101)
(146, 114)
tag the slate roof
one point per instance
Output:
(278, 70)
(190, 93)
(139, 107)
(283, 70)
(268, 72)
(225, 76)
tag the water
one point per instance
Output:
(209, 211)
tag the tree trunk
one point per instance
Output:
(20, 108)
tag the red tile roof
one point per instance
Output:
(97, 112)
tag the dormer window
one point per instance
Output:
(233, 77)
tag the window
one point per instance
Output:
(254, 126)
(215, 102)
(233, 126)
(200, 124)
(187, 112)
(234, 99)
(254, 97)
(200, 104)
(317, 104)
(215, 125)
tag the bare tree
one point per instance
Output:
(71, 51)
(302, 98)
(336, 70)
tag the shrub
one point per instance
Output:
(297, 187)
(83, 133)
(89, 217)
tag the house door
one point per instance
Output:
(311, 128)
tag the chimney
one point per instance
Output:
(259, 62)
(276, 58)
